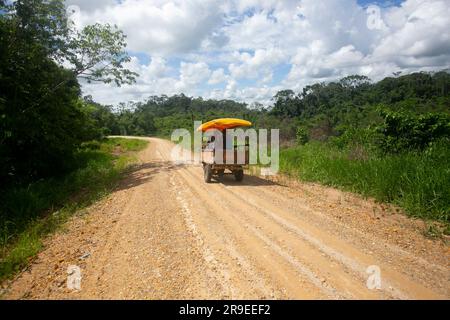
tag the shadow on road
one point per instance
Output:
(254, 181)
(143, 173)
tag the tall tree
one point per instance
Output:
(42, 118)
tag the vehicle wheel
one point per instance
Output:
(220, 173)
(207, 173)
(239, 175)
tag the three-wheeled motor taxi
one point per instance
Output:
(220, 155)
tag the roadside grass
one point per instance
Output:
(29, 213)
(419, 182)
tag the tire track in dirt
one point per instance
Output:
(226, 211)
(164, 233)
(316, 217)
(359, 268)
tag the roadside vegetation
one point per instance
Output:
(48, 169)
(402, 160)
(416, 181)
(32, 211)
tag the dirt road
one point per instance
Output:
(164, 233)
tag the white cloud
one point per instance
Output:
(242, 44)
(193, 73)
(262, 94)
(218, 76)
(258, 65)
(90, 5)
(156, 27)
(424, 34)
(346, 56)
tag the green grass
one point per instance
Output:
(30, 213)
(419, 182)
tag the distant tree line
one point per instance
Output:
(418, 102)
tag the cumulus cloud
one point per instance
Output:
(259, 65)
(193, 73)
(217, 76)
(423, 34)
(155, 26)
(89, 5)
(234, 49)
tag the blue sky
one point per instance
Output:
(382, 3)
(248, 50)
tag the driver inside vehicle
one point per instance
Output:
(211, 143)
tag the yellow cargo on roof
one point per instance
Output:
(224, 123)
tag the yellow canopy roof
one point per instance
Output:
(224, 123)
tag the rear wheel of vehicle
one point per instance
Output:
(239, 175)
(207, 173)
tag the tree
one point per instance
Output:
(302, 135)
(403, 131)
(286, 103)
(42, 118)
(354, 81)
(97, 54)
(42, 22)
